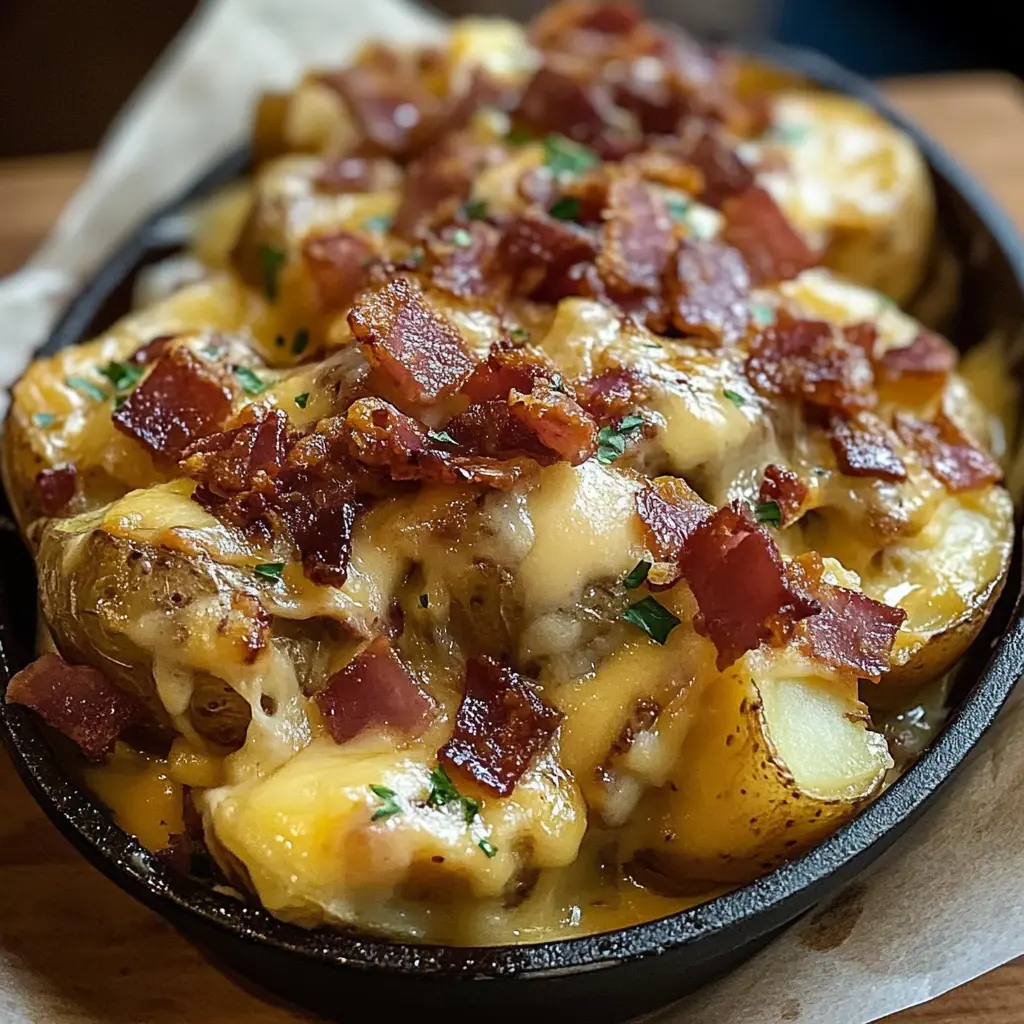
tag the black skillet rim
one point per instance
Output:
(126, 862)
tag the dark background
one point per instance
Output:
(66, 66)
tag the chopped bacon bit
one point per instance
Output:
(229, 462)
(152, 350)
(863, 336)
(725, 174)
(418, 350)
(772, 247)
(357, 174)
(863, 446)
(947, 454)
(671, 513)
(320, 517)
(609, 395)
(537, 249)
(373, 689)
(56, 488)
(79, 701)
(806, 360)
(508, 369)
(383, 438)
(739, 582)
(337, 264)
(637, 238)
(557, 26)
(667, 167)
(502, 724)
(464, 269)
(567, 99)
(927, 355)
(786, 489)
(491, 428)
(181, 400)
(558, 423)
(709, 287)
(852, 632)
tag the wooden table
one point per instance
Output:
(93, 954)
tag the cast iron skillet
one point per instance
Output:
(601, 978)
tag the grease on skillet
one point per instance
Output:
(527, 511)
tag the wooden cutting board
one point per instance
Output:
(74, 949)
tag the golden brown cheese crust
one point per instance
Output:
(497, 532)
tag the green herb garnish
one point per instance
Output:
(611, 441)
(379, 224)
(519, 334)
(124, 376)
(391, 805)
(519, 136)
(269, 570)
(461, 237)
(302, 400)
(300, 342)
(271, 262)
(488, 847)
(768, 512)
(653, 618)
(678, 209)
(474, 209)
(789, 133)
(86, 387)
(424, 600)
(734, 397)
(763, 314)
(442, 437)
(43, 419)
(442, 789)
(567, 208)
(565, 157)
(251, 384)
(637, 574)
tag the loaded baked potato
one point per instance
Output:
(511, 524)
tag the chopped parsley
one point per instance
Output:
(43, 419)
(251, 384)
(768, 512)
(442, 436)
(653, 618)
(461, 237)
(519, 136)
(566, 208)
(519, 334)
(789, 133)
(124, 376)
(557, 383)
(443, 793)
(488, 847)
(678, 209)
(637, 574)
(474, 209)
(302, 400)
(379, 224)
(390, 806)
(269, 570)
(563, 157)
(86, 387)
(611, 441)
(763, 314)
(734, 397)
(271, 262)
(300, 342)
(424, 601)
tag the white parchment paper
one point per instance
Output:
(944, 906)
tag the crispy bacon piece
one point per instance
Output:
(491, 428)
(502, 724)
(337, 263)
(320, 516)
(538, 251)
(724, 174)
(419, 351)
(671, 512)
(230, 462)
(807, 360)
(152, 350)
(772, 247)
(786, 489)
(863, 447)
(373, 689)
(862, 335)
(382, 438)
(558, 422)
(852, 632)
(460, 260)
(76, 700)
(565, 97)
(612, 393)
(709, 288)
(637, 238)
(55, 488)
(356, 174)
(947, 454)
(928, 355)
(181, 400)
(740, 584)
(558, 26)
(508, 369)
